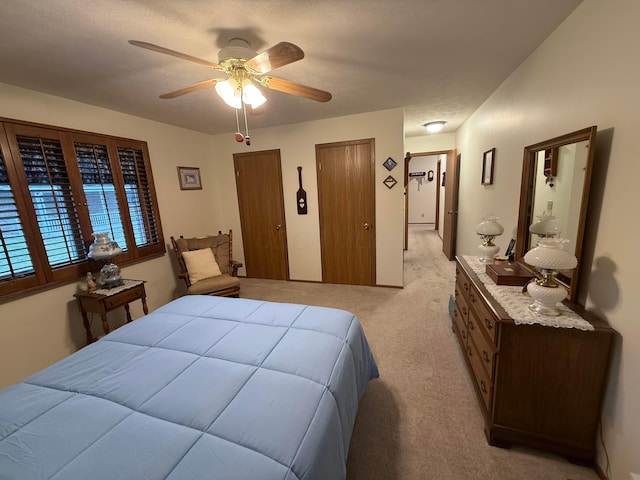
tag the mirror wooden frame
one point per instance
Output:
(527, 189)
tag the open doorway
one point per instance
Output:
(424, 188)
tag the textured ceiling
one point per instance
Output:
(439, 59)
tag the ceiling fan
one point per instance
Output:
(243, 68)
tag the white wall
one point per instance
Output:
(430, 143)
(421, 191)
(586, 73)
(297, 148)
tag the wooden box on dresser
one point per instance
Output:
(537, 386)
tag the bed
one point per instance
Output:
(202, 388)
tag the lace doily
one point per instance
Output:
(112, 291)
(517, 305)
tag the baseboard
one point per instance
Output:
(318, 281)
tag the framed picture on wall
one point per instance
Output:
(189, 178)
(488, 159)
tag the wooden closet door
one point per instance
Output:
(261, 203)
(346, 209)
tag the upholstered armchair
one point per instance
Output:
(206, 264)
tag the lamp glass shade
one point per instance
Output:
(551, 255)
(103, 247)
(229, 92)
(251, 94)
(489, 226)
(546, 226)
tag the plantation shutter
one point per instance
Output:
(58, 187)
(15, 260)
(52, 198)
(140, 197)
(100, 191)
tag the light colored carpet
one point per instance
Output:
(420, 419)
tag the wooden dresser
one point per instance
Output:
(537, 386)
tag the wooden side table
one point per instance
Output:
(103, 300)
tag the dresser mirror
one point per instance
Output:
(554, 192)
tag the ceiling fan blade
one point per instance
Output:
(295, 89)
(277, 56)
(192, 88)
(173, 53)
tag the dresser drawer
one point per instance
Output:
(460, 323)
(486, 350)
(487, 322)
(462, 283)
(481, 377)
(463, 306)
(124, 297)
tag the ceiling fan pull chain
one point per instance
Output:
(247, 139)
(239, 136)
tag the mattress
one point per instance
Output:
(202, 388)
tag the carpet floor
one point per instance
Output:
(420, 419)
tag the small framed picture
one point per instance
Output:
(389, 163)
(488, 159)
(189, 178)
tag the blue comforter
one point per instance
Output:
(202, 388)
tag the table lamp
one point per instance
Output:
(103, 248)
(546, 226)
(488, 229)
(549, 257)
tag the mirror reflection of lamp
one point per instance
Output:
(549, 257)
(546, 226)
(488, 229)
(103, 248)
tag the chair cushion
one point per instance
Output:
(201, 264)
(219, 244)
(213, 285)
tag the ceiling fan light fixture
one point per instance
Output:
(229, 92)
(251, 95)
(434, 127)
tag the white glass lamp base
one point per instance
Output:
(487, 252)
(546, 298)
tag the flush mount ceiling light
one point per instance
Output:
(434, 127)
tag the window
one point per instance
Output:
(58, 187)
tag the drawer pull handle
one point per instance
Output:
(465, 286)
(488, 323)
(464, 311)
(471, 325)
(468, 350)
(483, 386)
(485, 355)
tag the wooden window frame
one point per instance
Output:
(138, 181)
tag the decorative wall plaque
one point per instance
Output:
(390, 182)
